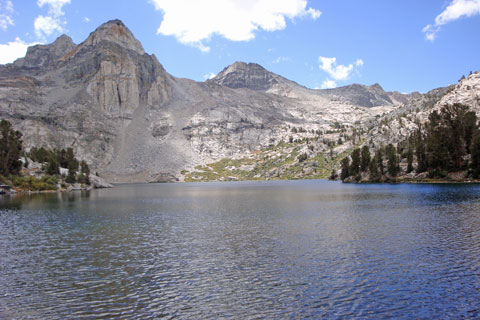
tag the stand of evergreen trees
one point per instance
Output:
(11, 151)
(448, 142)
(54, 159)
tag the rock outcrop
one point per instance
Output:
(46, 55)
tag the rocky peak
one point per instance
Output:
(246, 75)
(115, 31)
(467, 91)
(365, 96)
(377, 87)
(45, 55)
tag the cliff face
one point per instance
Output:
(132, 121)
(87, 96)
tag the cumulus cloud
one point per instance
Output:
(336, 71)
(6, 11)
(328, 84)
(455, 10)
(209, 76)
(55, 6)
(13, 50)
(194, 22)
(53, 22)
(46, 25)
(86, 19)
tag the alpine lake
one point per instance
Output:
(243, 250)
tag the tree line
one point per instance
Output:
(448, 142)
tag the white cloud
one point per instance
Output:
(208, 76)
(338, 72)
(5, 21)
(193, 22)
(281, 59)
(454, 11)
(315, 14)
(55, 6)
(46, 25)
(53, 22)
(6, 10)
(86, 19)
(328, 84)
(13, 50)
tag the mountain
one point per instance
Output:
(132, 121)
(255, 77)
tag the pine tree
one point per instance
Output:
(39, 154)
(53, 167)
(72, 174)
(379, 161)
(475, 149)
(345, 169)
(355, 165)
(392, 165)
(375, 175)
(366, 158)
(420, 151)
(410, 158)
(10, 149)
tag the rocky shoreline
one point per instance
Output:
(95, 183)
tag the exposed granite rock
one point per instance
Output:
(246, 75)
(46, 55)
(99, 183)
(467, 91)
(115, 31)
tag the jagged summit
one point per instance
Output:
(115, 31)
(246, 75)
(44, 55)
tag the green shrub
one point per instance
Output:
(35, 184)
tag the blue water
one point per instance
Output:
(243, 250)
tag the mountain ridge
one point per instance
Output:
(120, 110)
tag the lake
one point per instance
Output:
(243, 250)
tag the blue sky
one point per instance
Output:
(402, 45)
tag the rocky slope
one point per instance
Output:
(132, 121)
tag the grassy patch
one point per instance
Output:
(35, 184)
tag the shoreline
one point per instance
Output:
(406, 181)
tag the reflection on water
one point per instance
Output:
(244, 250)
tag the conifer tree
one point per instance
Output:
(379, 161)
(10, 149)
(72, 173)
(366, 158)
(392, 165)
(475, 149)
(375, 175)
(53, 167)
(409, 158)
(355, 165)
(420, 151)
(345, 169)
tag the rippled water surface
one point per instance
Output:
(246, 250)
